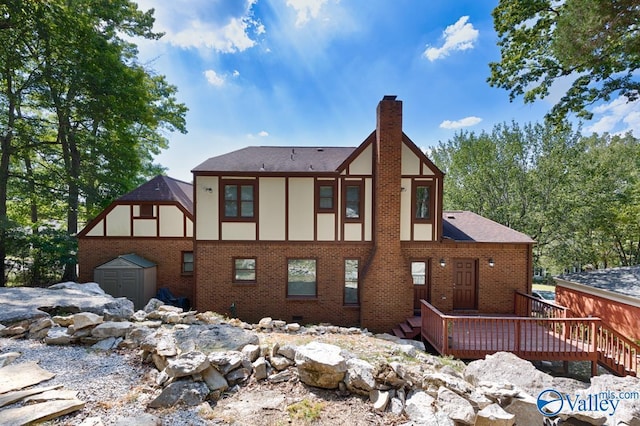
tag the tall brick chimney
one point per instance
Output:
(387, 291)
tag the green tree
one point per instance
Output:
(516, 176)
(605, 210)
(91, 120)
(593, 43)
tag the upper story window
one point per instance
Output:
(146, 211)
(353, 201)
(239, 201)
(325, 196)
(423, 204)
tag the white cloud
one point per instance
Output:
(306, 10)
(617, 117)
(220, 26)
(459, 36)
(261, 134)
(213, 78)
(230, 38)
(463, 122)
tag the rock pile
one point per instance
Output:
(42, 403)
(200, 357)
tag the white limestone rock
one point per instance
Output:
(86, 319)
(107, 344)
(292, 327)
(237, 376)
(420, 409)
(287, 351)
(265, 323)
(494, 415)
(260, 368)
(359, 377)
(152, 305)
(8, 357)
(187, 364)
(112, 329)
(320, 365)
(214, 380)
(456, 407)
(226, 361)
(58, 336)
(380, 399)
(525, 410)
(279, 362)
(251, 352)
(87, 288)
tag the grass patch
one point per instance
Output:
(306, 410)
(452, 362)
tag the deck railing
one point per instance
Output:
(616, 352)
(551, 336)
(529, 306)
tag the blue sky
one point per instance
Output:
(311, 72)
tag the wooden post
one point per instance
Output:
(445, 337)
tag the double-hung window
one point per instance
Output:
(239, 201)
(301, 278)
(351, 279)
(423, 204)
(187, 262)
(244, 270)
(325, 196)
(353, 196)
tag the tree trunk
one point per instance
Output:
(6, 150)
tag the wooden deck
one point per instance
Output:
(547, 333)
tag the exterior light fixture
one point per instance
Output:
(442, 263)
(491, 262)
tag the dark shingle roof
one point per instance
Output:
(163, 188)
(468, 226)
(278, 159)
(623, 280)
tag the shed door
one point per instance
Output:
(465, 284)
(130, 285)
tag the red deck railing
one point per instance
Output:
(542, 331)
(615, 352)
(529, 306)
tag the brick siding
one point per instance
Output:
(387, 296)
(496, 285)
(268, 296)
(621, 316)
(165, 252)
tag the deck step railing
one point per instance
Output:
(617, 353)
(550, 336)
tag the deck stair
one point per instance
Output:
(617, 353)
(408, 329)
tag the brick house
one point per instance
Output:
(154, 221)
(612, 295)
(350, 236)
(345, 235)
